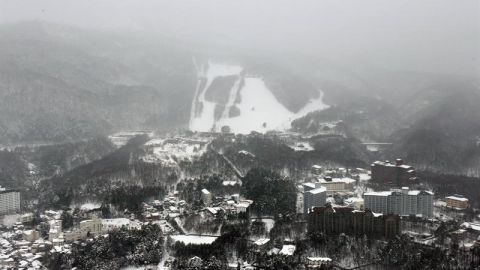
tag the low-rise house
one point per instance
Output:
(243, 205)
(30, 235)
(287, 250)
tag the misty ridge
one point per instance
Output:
(222, 134)
(65, 80)
(75, 78)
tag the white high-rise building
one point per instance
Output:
(314, 197)
(9, 201)
(377, 201)
(402, 202)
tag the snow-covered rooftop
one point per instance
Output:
(262, 241)
(378, 193)
(457, 198)
(287, 250)
(318, 190)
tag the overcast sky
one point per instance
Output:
(424, 35)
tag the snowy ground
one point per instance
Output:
(89, 206)
(259, 108)
(208, 72)
(302, 146)
(10, 220)
(269, 223)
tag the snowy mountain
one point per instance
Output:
(229, 95)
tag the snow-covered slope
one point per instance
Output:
(255, 107)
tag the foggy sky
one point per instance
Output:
(421, 35)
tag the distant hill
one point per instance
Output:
(435, 127)
(61, 84)
(445, 136)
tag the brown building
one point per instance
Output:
(336, 220)
(457, 202)
(397, 174)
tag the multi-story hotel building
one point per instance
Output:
(332, 220)
(402, 202)
(9, 201)
(314, 197)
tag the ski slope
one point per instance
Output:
(259, 109)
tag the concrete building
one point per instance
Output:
(397, 174)
(9, 201)
(55, 230)
(313, 198)
(30, 235)
(206, 197)
(457, 202)
(310, 186)
(402, 202)
(334, 185)
(90, 227)
(356, 203)
(316, 169)
(318, 263)
(333, 221)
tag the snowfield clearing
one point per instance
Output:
(302, 146)
(89, 206)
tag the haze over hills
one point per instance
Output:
(224, 134)
(65, 84)
(55, 88)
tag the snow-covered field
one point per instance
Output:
(206, 120)
(194, 239)
(10, 220)
(302, 146)
(89, 206)
(259, 108)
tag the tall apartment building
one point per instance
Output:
(332, 220)
(402, 202)
(9, 201)
(397, 174)
(314, 197)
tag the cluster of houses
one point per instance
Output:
(23, 248)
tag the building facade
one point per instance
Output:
(402, 202)
(333, 221)
(206, 197)
(334, 185)
(457, 202)
(9, 201)
(397, 174)
(313, 198)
